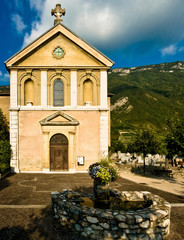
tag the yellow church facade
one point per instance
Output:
(59, 110)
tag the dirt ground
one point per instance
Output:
(25, 210)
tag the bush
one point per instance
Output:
(4, 129)
(4, 167)
(5, 152)
(150, 171)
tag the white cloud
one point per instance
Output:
(19, 24)
(36, 4)
(170, 50)
(115, 24)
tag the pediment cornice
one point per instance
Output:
(48, 121)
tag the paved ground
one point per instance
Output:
(25, 212)
(174, 185)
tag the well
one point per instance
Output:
(149, 223)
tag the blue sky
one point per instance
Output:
(130, 32)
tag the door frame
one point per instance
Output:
(61, 145)
(70, 133)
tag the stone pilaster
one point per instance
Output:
(46, 160)
(14, 139)
(103, 88)
(104, 133)
(71, 159)
(13, 88)
(44, 88)
(73, 88)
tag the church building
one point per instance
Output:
(59, 109)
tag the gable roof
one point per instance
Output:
(69, 121)
(70, 35)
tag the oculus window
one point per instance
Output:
(58, 52)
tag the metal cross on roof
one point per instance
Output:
(58, 12)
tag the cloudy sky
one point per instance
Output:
(130, 32)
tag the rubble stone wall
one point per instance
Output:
(151, 223)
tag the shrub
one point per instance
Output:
(5, 152)
(4, 129)
(150, 170)
(4, 167)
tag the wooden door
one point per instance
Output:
(59, 153)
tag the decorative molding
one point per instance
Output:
(29, 72)
(59, 28)
(55, 53)
(69, 120)
(59, 72)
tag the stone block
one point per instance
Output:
(13, 113)
(13, 144)
(123, 225)
(144, 224)
(13, 130)
(14, 122)
(92, 219)
(120, 218)
(13, 139)
(13, 135)
(13, 163)
(14, 126)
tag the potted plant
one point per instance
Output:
(103, 173)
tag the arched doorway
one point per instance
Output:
(59, 152)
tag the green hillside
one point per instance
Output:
(4, 89)
(146, 96)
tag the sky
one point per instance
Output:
(129, 32)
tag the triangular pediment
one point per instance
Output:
(77, 51)
(59, 119)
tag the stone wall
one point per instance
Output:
(151, 223)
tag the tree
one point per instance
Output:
(5, 152)
(145, 142)
(175, 139)
(4, 128)
(5, 148)
(117, 146)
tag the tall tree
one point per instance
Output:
(145, 142)
(4, 128)
(175, 139)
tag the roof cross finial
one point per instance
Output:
(58, 12)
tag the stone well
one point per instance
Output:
(150, 223)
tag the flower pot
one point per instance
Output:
(101, 191)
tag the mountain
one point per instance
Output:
(5, 89)
(146, 96)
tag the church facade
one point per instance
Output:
(59, 111)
